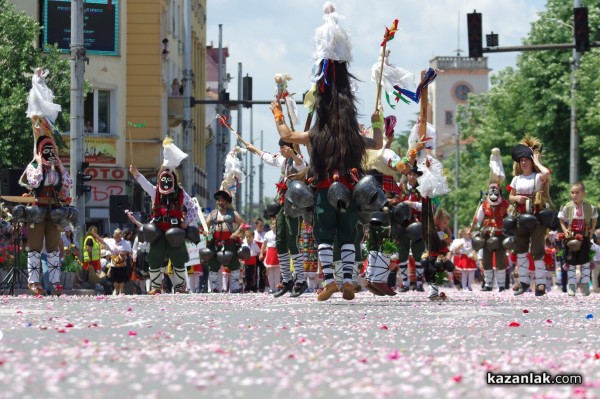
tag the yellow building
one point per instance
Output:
(136, 52)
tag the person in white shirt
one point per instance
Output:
(291, 163)
(121, 261)
(596, 269)
(268, 254)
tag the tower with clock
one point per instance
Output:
(458, 77)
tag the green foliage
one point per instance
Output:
(389, 247)
(18, 59)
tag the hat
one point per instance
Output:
(105, 253)
(223, 194)
(415, 169)
(331, 41)
(172, 154)
(521, 151)
(497, 174)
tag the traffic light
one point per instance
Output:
(247, 90)
(474, 33)
(81, 179)
(582, 29)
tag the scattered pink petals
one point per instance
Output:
(69, 325)
(548, 321)
(384, 327)
(132, 333)
(363, 360)
(457, 378)
(514, 324)
(525, 311)
(394, 355)
(129, 309)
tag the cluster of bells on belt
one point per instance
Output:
(176, 237)
(523, 224)
(33, 214)
(367, 195)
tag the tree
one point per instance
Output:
(18, 59)
(535, 98)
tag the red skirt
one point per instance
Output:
(271, 259)
(466, 263)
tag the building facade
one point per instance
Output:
(136, 66)
(461, 76)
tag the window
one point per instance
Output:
(97, 109)
(449, 119)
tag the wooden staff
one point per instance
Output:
(377, 99)
(224, 123)
(423, 110)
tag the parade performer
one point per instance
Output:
(336, 149)
(49, 183)
(291, 164)
(224, 239)
(529, 194)
(406, 240)
(387, 167)
(489, 222)
(578, 220)
(172, 212)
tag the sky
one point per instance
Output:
(269, 37)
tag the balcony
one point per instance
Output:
(175, 110)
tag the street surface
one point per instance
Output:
(256, 346)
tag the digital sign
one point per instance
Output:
(100, 25)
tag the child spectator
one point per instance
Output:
(250, 270)
(578, 219)
(596, 262)
(268, 254)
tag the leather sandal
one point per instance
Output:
(372, 289)
(36, 288)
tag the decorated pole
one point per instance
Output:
(389, 35)
(423, 110)
(223, 122)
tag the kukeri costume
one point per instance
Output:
(172, 210)
(529, 221)
(386, 166)
(49, 183)
(489, 222)
(288, 219)
(336, 152)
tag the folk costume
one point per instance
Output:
(225, 225)
(529, 195)
(172, 212)
(387, 167)
(578, 222)
(288, 225)
(489, 222)
(410, 240)
(49, 183)
(336, 150)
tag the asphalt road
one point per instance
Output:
(256, 346)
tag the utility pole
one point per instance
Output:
(76, 126)
(251, 157)
(188, 163)
(456, 166)
(574, 132)
(238, 193)
(260, 181)
(219, 131)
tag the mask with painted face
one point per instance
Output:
(167, 182)
(494, 194)
(47, 151)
